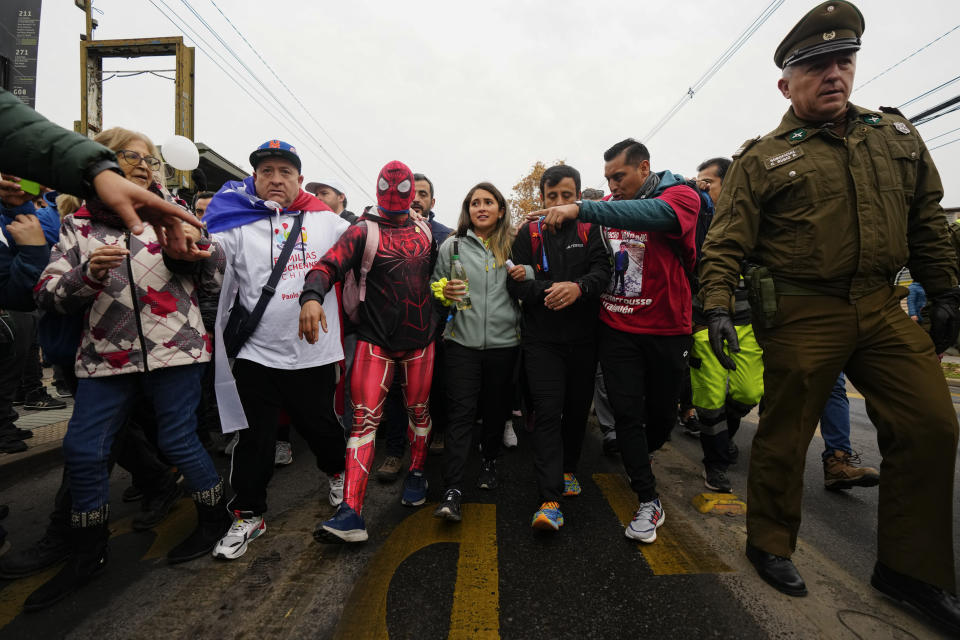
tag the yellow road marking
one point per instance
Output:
(476, 596)
(14, 595)
(678, 549)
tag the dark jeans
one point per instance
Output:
(479, 384)
(835, 420)
(642, 374)
(307, 396)
(133, 451)
(561, 377)
(101, 408)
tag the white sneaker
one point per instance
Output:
(509, 435)
(245, 528)
(645, 523)
(336, 489)
(283, 453)
(228, 450)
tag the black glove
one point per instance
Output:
(720, 328)
(944, 312)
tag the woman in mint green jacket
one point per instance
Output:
(482, 339)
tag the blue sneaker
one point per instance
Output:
(346, 525)
(645, 523)
(548, 518)
(414, 488)
(571, 486)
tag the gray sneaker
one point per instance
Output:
(649, 518)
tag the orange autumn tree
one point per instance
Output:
(526, 193)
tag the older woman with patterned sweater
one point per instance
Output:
(142, 330)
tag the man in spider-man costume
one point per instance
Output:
(396, 324)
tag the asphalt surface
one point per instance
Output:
(490, 576)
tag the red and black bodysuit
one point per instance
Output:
(396, 327)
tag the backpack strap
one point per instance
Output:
(583, 230)
(369, 253)
(536, 246)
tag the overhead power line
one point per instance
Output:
(935, 112)
(233, 74)
(945, 144)
(891, 68)
(268, 91)
(927, 93)
(943, 134)
(289, 90)
(715, 67)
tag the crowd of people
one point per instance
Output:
(766, 278)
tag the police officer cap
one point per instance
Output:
(835, 25)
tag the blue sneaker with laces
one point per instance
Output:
(548, 518)
(571, 486)
(414, 488)
(346, 525)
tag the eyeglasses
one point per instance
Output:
(133, 158)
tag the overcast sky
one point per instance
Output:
(481, 93)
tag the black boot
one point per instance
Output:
(212, 523)
(48, 551)
(88, 560)
(154, 508)
(941, 607)
(777, 571)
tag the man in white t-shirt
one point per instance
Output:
(273, 370)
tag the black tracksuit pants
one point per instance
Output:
(479, 385)
(307, 397)
(560, 377)
(642, 373)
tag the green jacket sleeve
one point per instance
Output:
(650, 214)
(933, 260)
(33, 147)
(732, 236)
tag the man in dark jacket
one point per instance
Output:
(21, 263)
(559, 278)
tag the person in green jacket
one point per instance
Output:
(33, 147)
(482, 341)
(829, 206)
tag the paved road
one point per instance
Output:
(491, 576)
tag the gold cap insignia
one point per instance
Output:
(829, 35)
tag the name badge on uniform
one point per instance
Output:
(901, 128)
(783, 158)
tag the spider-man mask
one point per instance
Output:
(395, 188)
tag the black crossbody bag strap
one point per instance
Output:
(241, 324)
(271, 287)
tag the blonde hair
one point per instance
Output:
(117, 138)
(500, 241)
(67, 204)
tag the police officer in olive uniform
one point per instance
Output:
(828, 207)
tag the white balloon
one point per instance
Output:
(180, 153)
